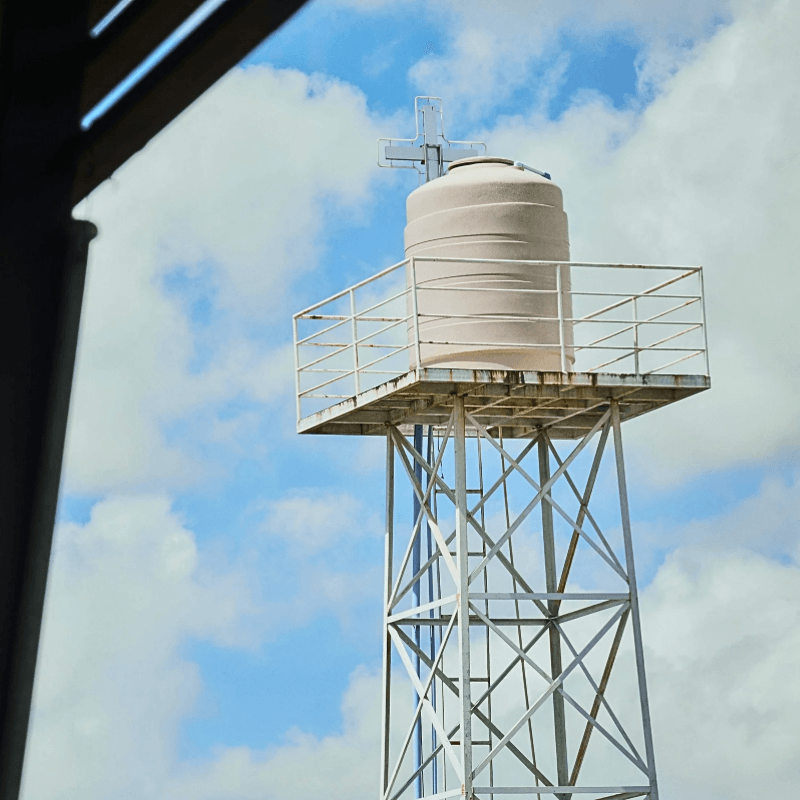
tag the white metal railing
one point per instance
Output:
(629, 318)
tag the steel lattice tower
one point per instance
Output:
(511, 613)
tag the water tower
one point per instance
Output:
(499, 373)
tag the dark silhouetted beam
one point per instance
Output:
(127, 41)
(41, 285)
(98, 9)
(46, 165)
(218, 44)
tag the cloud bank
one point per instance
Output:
(706, 174)
(207, 232)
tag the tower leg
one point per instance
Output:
(387, 590)
(416, 600)
(556, 668)
(634, 595)
(456, 605)
(462, 563)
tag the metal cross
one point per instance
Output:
(431, 153)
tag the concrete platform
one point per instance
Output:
(568, 404)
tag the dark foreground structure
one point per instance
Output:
(57, 63)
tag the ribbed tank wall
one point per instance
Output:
(488, 208)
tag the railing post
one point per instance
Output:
(560, 319)
(355, 341)
(635, 337)
(415, 311)
(296, 367)
(703, 312)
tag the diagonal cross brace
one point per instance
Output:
(591, 718)
(424, 497)
(584, 501)
(600, 699)
(549, 691)
(532, 768)
(424, 703)
(450, 494)
(542, 493)
(584, 507)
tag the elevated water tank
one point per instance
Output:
(488, 208)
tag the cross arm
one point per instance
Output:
(406, 153)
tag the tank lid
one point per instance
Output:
(463, 162)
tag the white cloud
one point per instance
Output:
(766, 523)
(381, 58)
(342, 766)
(676, 19)
(486, 51)
(236, 193)
(320, 554)
(312, 521)
(477, 64)
(125, 592)
(706, 174)
(723, 635)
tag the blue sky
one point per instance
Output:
(321, 39)
(264, 198)
(375, 52)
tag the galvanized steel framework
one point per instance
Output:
(512, 675)
(545, 704)
(467, 765)
(644, 321)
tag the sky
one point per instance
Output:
(212, 622)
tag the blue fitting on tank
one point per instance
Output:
(531, 169)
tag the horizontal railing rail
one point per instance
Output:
(633, 316)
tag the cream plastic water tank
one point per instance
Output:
(488, 208)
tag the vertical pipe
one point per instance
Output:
(635, 619)
(432, 634)
(551, 581)
(442, 694)
(462, 551)
(387, 593)
(416, 553)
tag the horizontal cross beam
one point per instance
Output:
(406, 153)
